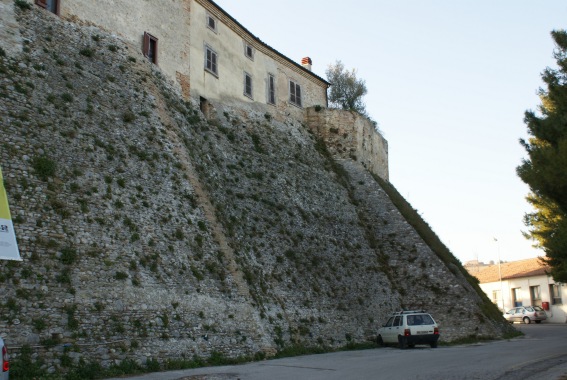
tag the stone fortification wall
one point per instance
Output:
(351, 135)
(150, 233)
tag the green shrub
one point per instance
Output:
(22, 4)
(121, 276)
(23, 367)
(68, 255)
(128, 117)
(67, 98)
(87, 52)
(44, 167)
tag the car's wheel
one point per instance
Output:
(380, 341)
(433, 344)
(537, 321)
(402, 342)
(527, 320)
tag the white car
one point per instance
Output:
(5, 373)
(526, 314)
(408, 328)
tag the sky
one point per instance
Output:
(448, 83)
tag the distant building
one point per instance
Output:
(203, 50)
(474, 266)
(524, 282)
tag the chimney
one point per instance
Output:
(306, 62)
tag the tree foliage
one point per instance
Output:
(346, 89)
(545, 171)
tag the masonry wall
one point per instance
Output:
(352, 136)
(150, 233)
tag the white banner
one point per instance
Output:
(8, 244)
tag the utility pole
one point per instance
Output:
(500, 274)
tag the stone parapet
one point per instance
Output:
(350, 135)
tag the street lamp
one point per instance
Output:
(499, 273)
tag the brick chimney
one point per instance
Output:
(306, 62)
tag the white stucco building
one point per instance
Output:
(207, 53)
(523, 282)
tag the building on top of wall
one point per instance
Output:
(206, 52)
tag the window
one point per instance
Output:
(50, 5)
(517, 297)
(271, 89)
(249, 51)
(294, 93)
(555, 292)
(535, 294)
(211, 23)
(248, 85)
(150, 48)
(211, 61)
(495, 296)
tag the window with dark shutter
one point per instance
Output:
(211, 61)
(294, 93)
(249, 51)
(248, 85)
(271, 89)
(150, 48)
(211, 23)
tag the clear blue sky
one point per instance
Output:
(448, 83)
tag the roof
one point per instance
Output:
(515, 269)
(266, 45)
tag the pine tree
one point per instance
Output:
(545, 171)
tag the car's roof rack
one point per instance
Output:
(409, 312)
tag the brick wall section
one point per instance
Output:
(351, 135)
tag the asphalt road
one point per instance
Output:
(540, 354)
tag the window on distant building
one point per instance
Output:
(248, 85)
(150, 48)
(535, 295)
(211, 23)
(294, 93)
(50, 5)
(211, 60)
(249, 51)
(517, 297)
(495, 296)
(555, 292)
(271, 89)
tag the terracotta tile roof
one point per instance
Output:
(514, 269)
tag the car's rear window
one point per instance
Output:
(537, 308)
(420, 319)
(529, 308)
